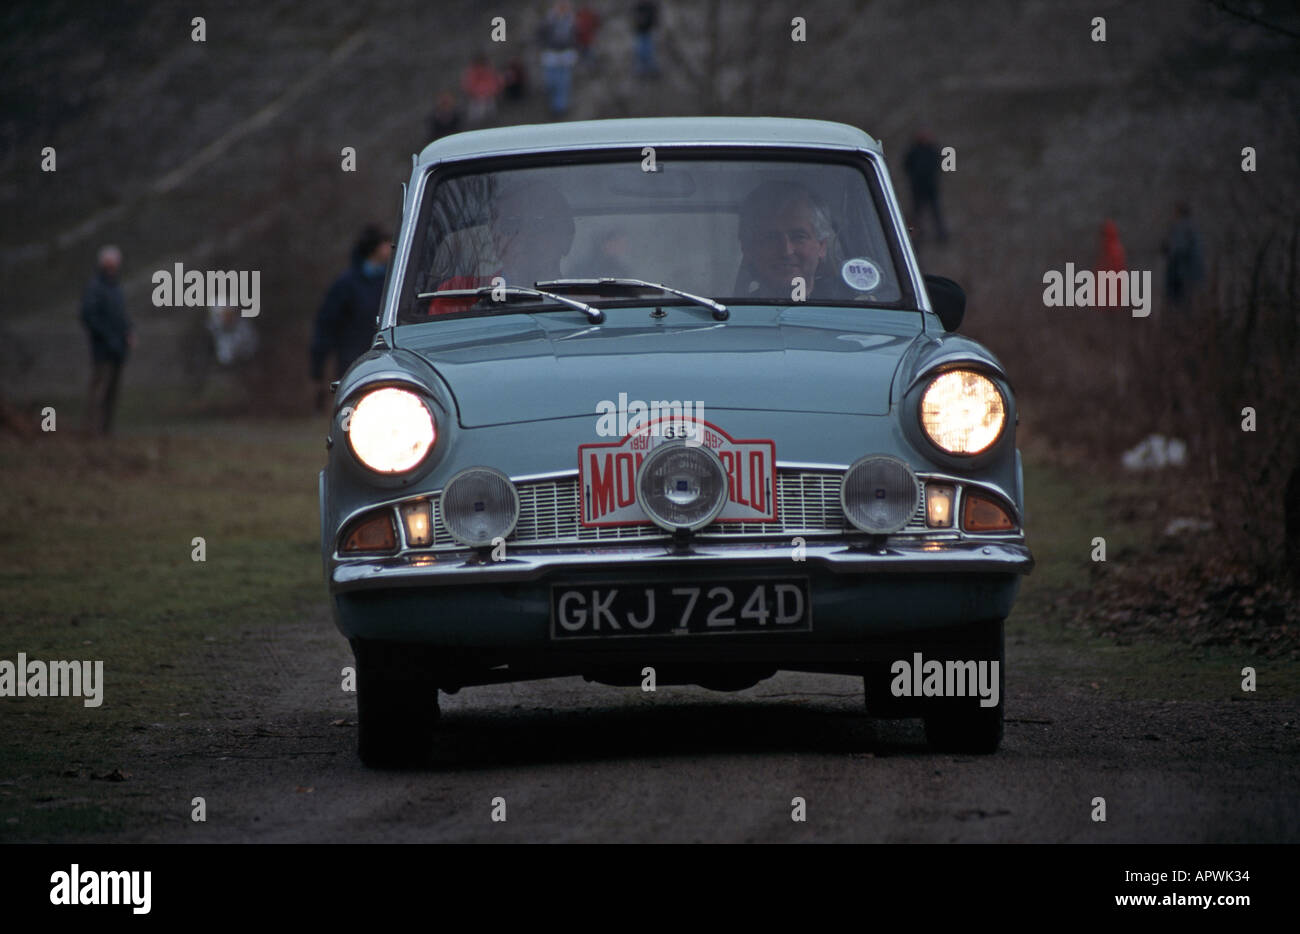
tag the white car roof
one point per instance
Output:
(652, 131)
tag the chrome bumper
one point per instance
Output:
(460, 568)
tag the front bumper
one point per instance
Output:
(492, 613)
(468, 568)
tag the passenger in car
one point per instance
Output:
(532, 230)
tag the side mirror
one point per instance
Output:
(948, 299)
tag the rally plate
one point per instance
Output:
(607, 473)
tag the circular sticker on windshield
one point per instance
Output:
(860, 274)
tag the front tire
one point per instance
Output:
(397, 705)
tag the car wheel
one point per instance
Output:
(971, 728)
(397, 705)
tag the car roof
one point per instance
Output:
(651, 131)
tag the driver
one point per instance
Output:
(784, 235)
(532, 228)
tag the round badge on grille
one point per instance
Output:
(681, 486)
(879, 494)
(478, 505)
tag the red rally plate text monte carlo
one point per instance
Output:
(609, 470)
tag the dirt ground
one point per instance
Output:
(272, 752)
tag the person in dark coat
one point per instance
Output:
(103, 313)
(514, 79)
(345, 324)
(1184, 259)
(922, 163)
(446, 118)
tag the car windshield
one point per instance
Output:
(740, 230)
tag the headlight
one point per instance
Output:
(681, 486)
(879, 494)
(478, 505)
(390, 430)
(963, 412)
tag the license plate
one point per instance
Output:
(587, 611)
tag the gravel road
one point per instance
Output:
(273, 755)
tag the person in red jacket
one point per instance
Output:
(586, 24)
(482, 85)
(1110, 256)
(532, 229)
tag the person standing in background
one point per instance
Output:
(445, 119)
(645, 17)
(103, 313)
(922, 163)
(345, 324)
(1110, 258)
(481, 85)
(514, 80)
(557, 36)
(586, 25)
(1110, 254)
(1184, 259)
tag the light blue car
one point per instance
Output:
(669, 401)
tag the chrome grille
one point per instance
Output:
(808, 503)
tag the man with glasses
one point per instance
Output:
(785, 235)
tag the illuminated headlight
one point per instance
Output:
(478, 505)
(390, 430)
(681, 486)
(879, 494)
(963, 412)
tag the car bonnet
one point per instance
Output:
(504, 369)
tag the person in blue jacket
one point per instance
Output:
(345, 324)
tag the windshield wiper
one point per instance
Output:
(720, 312)
(594, 315)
